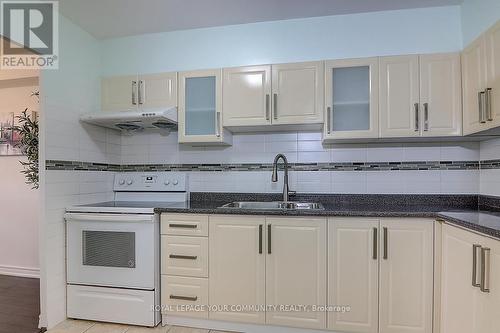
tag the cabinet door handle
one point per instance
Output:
(260, 238)
(375, 243)
(217, 124)
(489, 111)
(385, 243)
(184, 298)
(482, 115)
(329, 120)
(417, 120)
(179, 256)
(140, 92)
(267, 106)
(426, 117)
(485, 270)
(134, 88)
(184, 226)
(275, 101)
(475, 255)
(269, 228)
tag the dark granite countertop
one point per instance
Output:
(461, 210)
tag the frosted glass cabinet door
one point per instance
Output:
(200, 106)
(351, 98)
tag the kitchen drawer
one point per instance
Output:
(184, 224)
(182, 255)
(179, 294)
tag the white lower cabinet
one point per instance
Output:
(296, 270)
(237, 266)
(353, 268)
(383, 270)
(268, 261)
(470, 279)
(406, 275)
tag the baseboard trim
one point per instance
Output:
(28, 272)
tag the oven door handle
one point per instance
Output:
(97, 217)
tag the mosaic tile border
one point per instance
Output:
(333, 166)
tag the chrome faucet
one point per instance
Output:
(286, 191)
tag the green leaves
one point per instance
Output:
(28, 130)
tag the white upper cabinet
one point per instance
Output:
(351, 96)
(126, 93)
(399, 96)
(441, 95)
(157, 90)
(493, 75)
(283, 94)
(481, 82)
(119, 93)
(298, 91)
(420, 96)
(247, 96)
(200, 108)
(474, 83)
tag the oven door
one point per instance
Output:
(115, 250)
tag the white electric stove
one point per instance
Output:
(113, 256)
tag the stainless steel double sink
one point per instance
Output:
(273, 205)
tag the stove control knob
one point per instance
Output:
(167, 182)
(130, 182)
(122, 182)
(175, 182)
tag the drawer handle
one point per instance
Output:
(184, 298)
(184, 226)
(178, 256)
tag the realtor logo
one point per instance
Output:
(30, 34)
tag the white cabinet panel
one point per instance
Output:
(119, 93)
(298, 91)
(237, 266)
(406, 276)
(351, 90)
(296, 270)
(247, 96)
(183, 255)
(488, 318)
(157, 90)
(125, 93)
(353, 263)
(493, 74)
(459, 299)
(466, 306)
(440, 94)
(399, 96)
(179, 291)
(473, 83)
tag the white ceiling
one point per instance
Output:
(117, 18)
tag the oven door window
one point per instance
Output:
(108, 249)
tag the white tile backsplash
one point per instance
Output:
(306, 147)
(490, 178)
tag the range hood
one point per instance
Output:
(164, 120)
